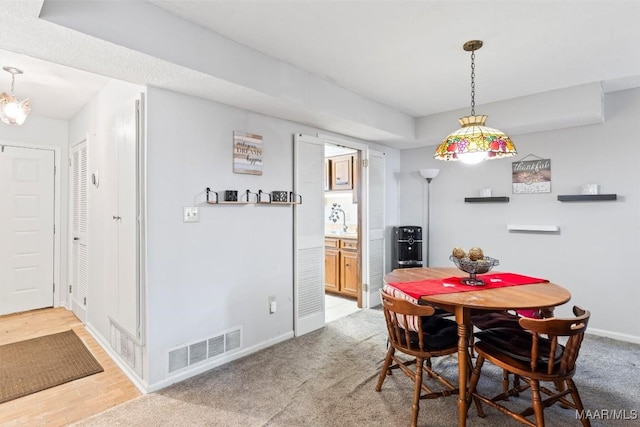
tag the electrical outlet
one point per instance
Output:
(191, 214)
(272, 304)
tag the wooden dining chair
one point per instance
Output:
(417, 333)
(502, 322)
(535, 355)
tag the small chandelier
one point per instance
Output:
(12, 110)
(474, 142)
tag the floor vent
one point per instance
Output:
(199, 351)
(126, 347)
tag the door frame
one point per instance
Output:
(363, 225)
(60, 236)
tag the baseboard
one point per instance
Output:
(614, 335)
(217, 362)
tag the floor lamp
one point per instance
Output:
(428, 175)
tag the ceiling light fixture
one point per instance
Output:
(12, 110)
(474, 142)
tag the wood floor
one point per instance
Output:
(70, 402)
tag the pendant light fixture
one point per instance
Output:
(12, 110)
(474, 142)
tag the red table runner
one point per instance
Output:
(450, 285)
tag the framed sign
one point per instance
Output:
(531, 176)
(247, 153)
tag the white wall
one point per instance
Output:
(594, 254)
(217, 274)
(53, 134)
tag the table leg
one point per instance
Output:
(463, 319)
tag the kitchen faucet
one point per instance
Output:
(335, 216)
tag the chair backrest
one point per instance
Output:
(553, 328)
(398, 313)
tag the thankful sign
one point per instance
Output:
(531, 176)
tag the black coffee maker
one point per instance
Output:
(407, 247)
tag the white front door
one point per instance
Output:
(308, 246)
(26, 228)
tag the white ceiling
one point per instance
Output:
(406, 55)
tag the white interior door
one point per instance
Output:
(375, 245)
(308, 248)
(26, 228)
(127, 149)
(122, 246)
(79, 231)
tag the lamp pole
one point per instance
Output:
(428, 175)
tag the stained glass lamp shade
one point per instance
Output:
(474, 142)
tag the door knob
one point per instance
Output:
(76, 238)
(116, 217)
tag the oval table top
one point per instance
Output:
(532, 296)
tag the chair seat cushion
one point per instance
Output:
(500, 319)
(516, 343)
(439, 333)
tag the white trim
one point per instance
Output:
(342, 142)
(142, 233)
(219, 362)
(57, 214)
(543, 228)
(614, 335)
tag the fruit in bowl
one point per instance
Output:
(479, 266)
(473, 262)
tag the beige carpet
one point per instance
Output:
(327, 378)
(44, 362)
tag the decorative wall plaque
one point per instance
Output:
(531, 176)
(247, 153)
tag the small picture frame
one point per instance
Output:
(247, 153)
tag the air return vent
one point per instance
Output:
(126, 347)
(199, 351)
(216, 346)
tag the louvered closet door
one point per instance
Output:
(308, 247)
(79, 228)
(376, 224)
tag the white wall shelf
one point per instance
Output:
(540, 228)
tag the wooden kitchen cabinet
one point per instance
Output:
(342, 172)
(341, 262)
(349, 273)
(331, 265)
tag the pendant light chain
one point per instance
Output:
(473, 82)
(13, 82)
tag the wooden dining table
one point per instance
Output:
(463, 304)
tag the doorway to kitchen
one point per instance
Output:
(342, 230)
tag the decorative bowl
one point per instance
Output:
(474, 267)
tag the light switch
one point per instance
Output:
(191, 214)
